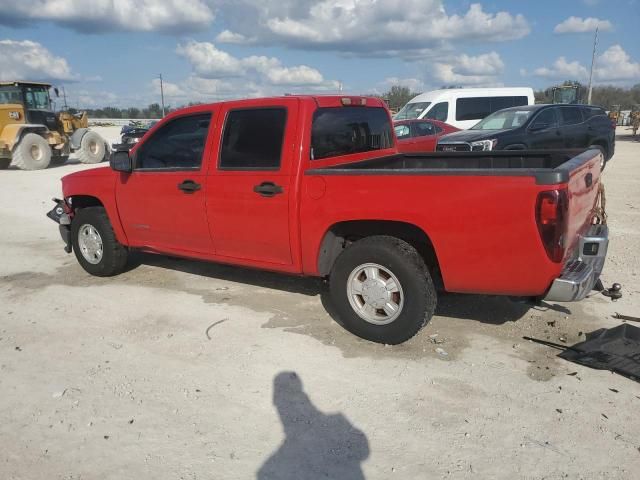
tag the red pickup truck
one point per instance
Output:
(314, 185)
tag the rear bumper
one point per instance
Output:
(580, 275)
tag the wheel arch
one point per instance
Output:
(81, 200)
(12, 134)
(341, 234)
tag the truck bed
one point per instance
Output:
(549, 167)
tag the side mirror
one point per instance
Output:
(120, 161)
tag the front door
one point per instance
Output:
(250, 192)
(162, 202)
(544, 132)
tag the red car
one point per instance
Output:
(315, 186)
(420, 135)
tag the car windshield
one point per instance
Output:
(411, 110)
(503, 120)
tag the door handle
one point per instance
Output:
(268, 189)
(189, 186)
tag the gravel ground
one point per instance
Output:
(186, 370)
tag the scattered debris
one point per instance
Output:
(559, 410)
(18, 349)
(106, 437)
(604, 416)
(614, 390)
(434, 339)
(552, 323)
(59, 394)
(572, 374)
(131, 421)
(213, 325)
(441, 352)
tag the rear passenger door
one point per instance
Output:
(572, 127)
(249, 192)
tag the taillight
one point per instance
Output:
(551, 217)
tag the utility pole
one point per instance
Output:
(64, 96)
(593, 62)
(161, 93)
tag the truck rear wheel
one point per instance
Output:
(92, 148)
(32, 152)
(94, 243)
(382, 290)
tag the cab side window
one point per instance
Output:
(252, 139)
(178, 145)
(440, 111)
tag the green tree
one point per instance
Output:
(398, 96)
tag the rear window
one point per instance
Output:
(345, 130)
(476, 108)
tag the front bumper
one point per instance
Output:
(581, 274)
(59, 215)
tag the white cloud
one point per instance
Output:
(413, 84)
(616, 65)
(227, 36)
(27, 60)
(373, 27)
(582, 25)
(207, 61)
(91, 16)
(464, 69)
(613, 65)
(563, 70)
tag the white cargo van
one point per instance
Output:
(464, 107)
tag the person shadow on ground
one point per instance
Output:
(315, 445)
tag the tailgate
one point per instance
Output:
(583, 192)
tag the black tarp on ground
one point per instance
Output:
(616, 349)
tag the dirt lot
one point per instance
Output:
(184, 370)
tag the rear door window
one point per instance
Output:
(473, 108)
(422, 129)
(177, 145)
(340, 131)
(252, 139)
(570, 115)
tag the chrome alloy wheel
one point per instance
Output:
(375, 293)
(90, 243)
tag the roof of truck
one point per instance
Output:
(21, 82)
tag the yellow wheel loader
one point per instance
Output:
(33, 136)
(635, 119)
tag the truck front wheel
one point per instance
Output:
(94, 243)
(382, 290)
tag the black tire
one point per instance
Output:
(404, 262)
(114, 255)
(4, 163)
(604, 155)
(32, 152)
(92, 148)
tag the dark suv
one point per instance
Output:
(536, 127)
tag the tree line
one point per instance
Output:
(607, 96)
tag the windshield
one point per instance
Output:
(503, 120)
(37, 98)
(411, 110)
(10, 94)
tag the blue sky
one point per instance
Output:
(108, 52)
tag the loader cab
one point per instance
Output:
(35, 99)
